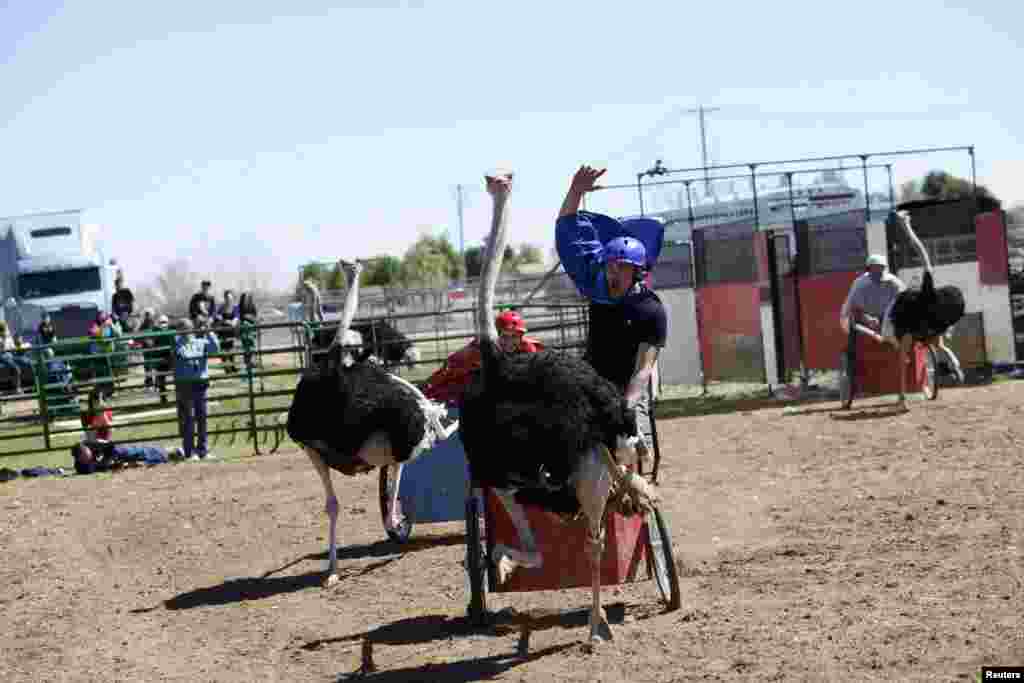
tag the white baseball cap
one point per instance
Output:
(876, 260)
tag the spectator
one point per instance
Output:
(47, 333)
(163, 356)
(10, 358)
(106, 331)
(202, 303)
(98, 419)
(227, 328)
(123, 302)
(96, 456)
(248, 319)
(148, 325)
(192, 380)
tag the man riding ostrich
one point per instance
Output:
(541, 429)
(356, 416)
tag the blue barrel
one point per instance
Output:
(434, 485)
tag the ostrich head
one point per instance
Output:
(411, 357)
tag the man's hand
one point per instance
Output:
(585, 178)
(582, 182)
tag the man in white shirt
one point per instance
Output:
(867, 304)
(870, 297)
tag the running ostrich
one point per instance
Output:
(541, 429)
(923, 315)
(355, 416)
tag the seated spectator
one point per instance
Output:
(12, 358)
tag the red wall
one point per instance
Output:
(726, 312)
(992, 249)
(821, 298)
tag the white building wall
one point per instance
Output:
(679, 361)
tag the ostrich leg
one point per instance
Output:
(954, 362)
(332, 515)
(507, 559)
(394, 517)
(905, 348)
(593, 482)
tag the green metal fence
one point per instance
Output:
(251, 383)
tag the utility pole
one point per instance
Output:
(462, 235)
(700, 111)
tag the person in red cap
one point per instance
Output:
(448, 383)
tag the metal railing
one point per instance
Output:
(267, 365)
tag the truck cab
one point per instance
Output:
(51, 264)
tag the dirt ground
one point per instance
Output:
(813, 545)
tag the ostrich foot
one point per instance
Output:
(507, 560)
(331, 580)
(600, 631)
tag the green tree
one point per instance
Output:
(942, 185)
(319, 273)
(474, 261)
(431, 261)
(382, 271)
(529, 253)
(337, 280)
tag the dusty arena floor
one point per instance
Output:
(813, 545)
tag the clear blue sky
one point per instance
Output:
(257, 135)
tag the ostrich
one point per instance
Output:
(541, 429)
(355, 416)
(383, 340)
(924, 314)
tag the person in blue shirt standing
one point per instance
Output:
(192, 349)
(628, 325)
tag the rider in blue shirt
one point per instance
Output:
(628, 325)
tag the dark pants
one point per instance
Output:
(16, 364)
(192, 416)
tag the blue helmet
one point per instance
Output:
(628, 249)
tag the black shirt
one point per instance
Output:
(194, 304)
(617, 330)
(122, 303)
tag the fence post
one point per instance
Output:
(40, 383)
(252, 411)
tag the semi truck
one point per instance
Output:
(52, 263)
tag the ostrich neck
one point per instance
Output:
(916, 242)
(348, 313)
(489, 273)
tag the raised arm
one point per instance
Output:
(582, 182)
(576, 238)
